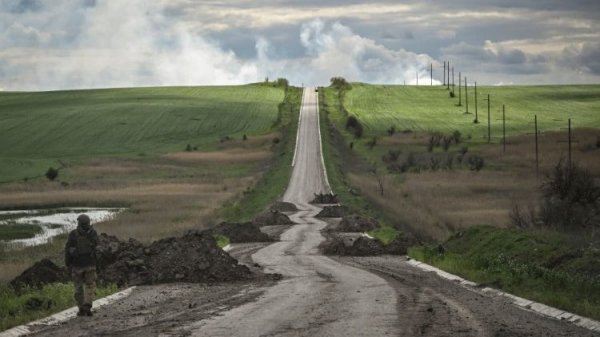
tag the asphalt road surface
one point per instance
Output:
(318, 296)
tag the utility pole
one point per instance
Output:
(489, 121)
(452, 81)
(431, 74)
(537, 159)
(459, 89)
(448, 77)
(476, 119)
(444, 80)
(570, 162)
(466, 95)
(503, 129)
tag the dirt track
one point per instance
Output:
(319, 296)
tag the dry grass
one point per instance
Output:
(221, 157)
(436, 203)
(520, 151)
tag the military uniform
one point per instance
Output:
(80, 258)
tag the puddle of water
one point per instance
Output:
(53, 222)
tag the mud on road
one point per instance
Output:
(167, 309)
(319, 295)
(431, 306)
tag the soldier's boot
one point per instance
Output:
(88, 311)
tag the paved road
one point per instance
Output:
(319, 296)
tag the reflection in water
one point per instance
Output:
(52, 221)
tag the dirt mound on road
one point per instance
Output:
(363, 246)
(194, 257)
(272, 218)
(357, 223)
(283, 206)
(41, 273)
(332, 212)
(241, 232)
(325, 198)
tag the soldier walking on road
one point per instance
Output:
(80, 258)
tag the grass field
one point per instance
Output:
(166, 189)
(39, 129)
(440, 194)
(427, 109)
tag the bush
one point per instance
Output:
(447, 141)
(391, 130)
(391, 156)
(52, 174)
(188, 148)
(451, 94)
(571, 198)
(475, 162)
(244, 137)
(371, 144)
(457, 136)
(354, 124)
(434, 163)
(276, 140)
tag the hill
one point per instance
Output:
(431, 109)
(37, 129)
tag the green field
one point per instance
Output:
(37, 129)
(431, 109)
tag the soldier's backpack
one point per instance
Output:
(84, 246)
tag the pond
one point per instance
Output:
(24, 228)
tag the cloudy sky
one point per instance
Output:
(65, 44)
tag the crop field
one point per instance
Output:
(425, 109)
(437, 193)
(39, 129)
(128, 148)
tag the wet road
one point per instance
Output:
(319, 296)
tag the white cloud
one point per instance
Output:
(147, 50)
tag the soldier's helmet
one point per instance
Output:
(83, 221)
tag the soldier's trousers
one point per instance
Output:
(84, 279)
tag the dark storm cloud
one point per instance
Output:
(583, 58)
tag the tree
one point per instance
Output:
(379, 177)
(52, 174)
(340, 83)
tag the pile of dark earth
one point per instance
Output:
(41, 273)
(343, 239)
(335, 211)
(272, 218)
(194, 257)
(241, 232)
(283, 206)
(325, 198)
